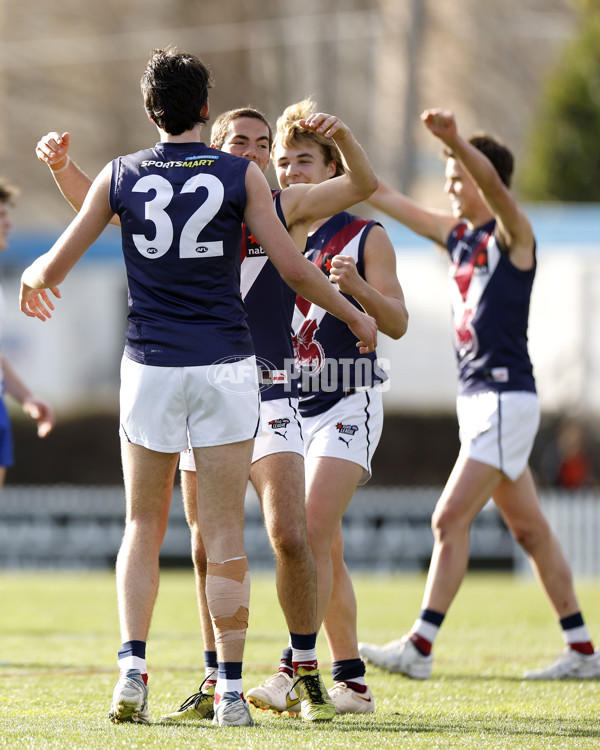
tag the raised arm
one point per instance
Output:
(434, 225)
(50, 269)
(513, 227)
(298, 272)
(380, 293)
(73, 182)
(307, 203)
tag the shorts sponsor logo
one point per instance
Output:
(346, 432)
(279, 426)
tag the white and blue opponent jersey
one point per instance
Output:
(181, 207)
(269, 303)
(490, 310)
(330, 365)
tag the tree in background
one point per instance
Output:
(563, 160)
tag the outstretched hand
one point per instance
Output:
(36, 303)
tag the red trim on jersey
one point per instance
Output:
(343, 237)
(464, 272)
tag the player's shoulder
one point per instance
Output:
(345, 218)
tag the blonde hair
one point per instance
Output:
(290, 133)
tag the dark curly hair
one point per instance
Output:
(175, 89)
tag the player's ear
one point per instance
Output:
(205, 110)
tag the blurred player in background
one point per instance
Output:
(11, 384)
(181, 207)
(492, 253)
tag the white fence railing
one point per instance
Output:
(385, 529)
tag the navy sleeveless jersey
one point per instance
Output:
(490, 311)
(324, 347)
(269, 303)
(181, 207)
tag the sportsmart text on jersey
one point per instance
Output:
(208, 162)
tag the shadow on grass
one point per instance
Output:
(516, 726)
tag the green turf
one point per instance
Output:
(59, 637)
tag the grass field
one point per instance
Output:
(59, 637)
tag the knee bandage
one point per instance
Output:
(228, 595)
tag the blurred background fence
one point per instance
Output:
(385, 530)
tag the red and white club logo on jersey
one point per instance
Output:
(465, 337)
(309, 354)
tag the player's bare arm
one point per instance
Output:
(308, 203)
(73, 182)
(50, 269)
(429, 223)
(514, 228)
(299, 273)
(379, 293)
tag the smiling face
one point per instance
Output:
(302, 162)
(248, 137)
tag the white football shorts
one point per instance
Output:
(166, 409)
(499, 429)
(350, 430)
(281, 432)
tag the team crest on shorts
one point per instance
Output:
(349, 430)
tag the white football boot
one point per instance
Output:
(398, 656)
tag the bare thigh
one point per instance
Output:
(222, 474)
(520, 506)
(469, 487)
(279, 481)
(330, 485)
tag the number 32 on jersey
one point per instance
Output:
(189, 244)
